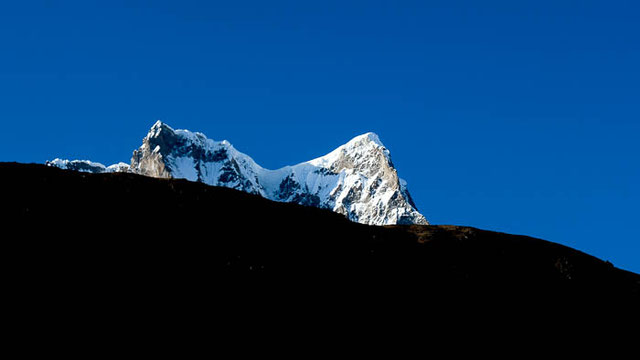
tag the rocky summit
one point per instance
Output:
(357, 179)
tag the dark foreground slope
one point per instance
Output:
(109, 234)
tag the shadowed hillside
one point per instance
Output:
(95, 233)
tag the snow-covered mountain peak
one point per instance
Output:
(157, 125)
(157, 129)
(367, 138)
(357, 179)
(87, 166)
(362, 153)
(164, 135)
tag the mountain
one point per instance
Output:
(357, 180)
(112, 236)
(88, 166)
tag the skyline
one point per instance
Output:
(520, 118)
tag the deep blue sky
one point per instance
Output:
(517, 116)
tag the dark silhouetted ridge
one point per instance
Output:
(104, 236)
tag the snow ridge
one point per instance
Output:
(357, 179)
(87, 166)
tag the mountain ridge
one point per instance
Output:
(357, 179)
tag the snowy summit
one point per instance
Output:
(357, 179)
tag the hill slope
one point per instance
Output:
(122, 230)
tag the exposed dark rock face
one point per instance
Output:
(84, 167)
(287, 188)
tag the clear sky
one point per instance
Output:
(516, 116)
